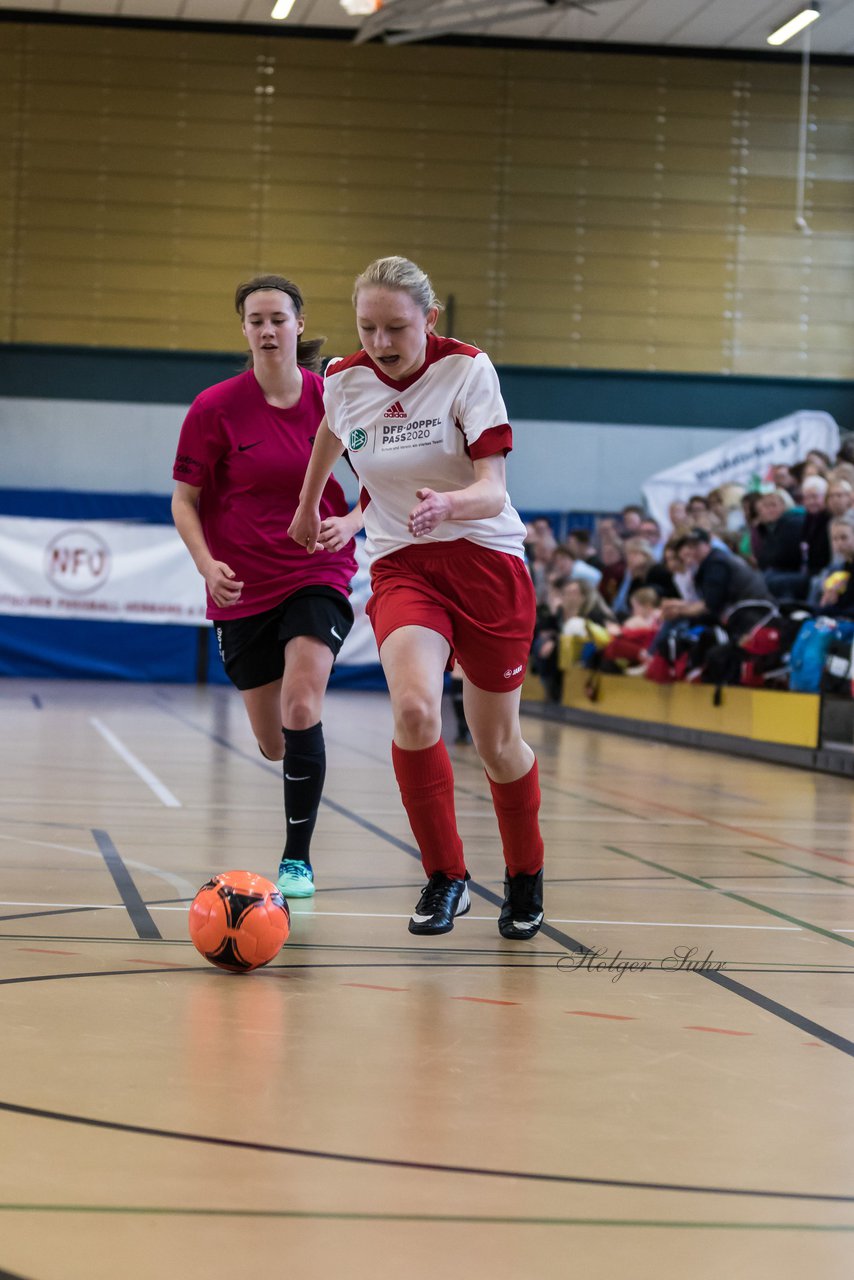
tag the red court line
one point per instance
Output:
(370, 986)
(727, 826)
(44, 951)
(615, 1017)
(721, 1031)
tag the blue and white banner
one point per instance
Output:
(112, 571)
(746, 460)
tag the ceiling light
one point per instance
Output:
(794, 25)
(359, 8)
(282, 9)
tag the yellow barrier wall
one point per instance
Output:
(758, 714)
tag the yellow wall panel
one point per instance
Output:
(583, 207)
(757, 714)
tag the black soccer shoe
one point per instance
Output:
(441, 900)
(522, 914)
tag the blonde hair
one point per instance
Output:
(399, 273)
(640, 545)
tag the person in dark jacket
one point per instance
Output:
(722, 581)
(779, 546)
(815, 533)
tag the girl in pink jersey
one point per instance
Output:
(280, 615)
(426, 430)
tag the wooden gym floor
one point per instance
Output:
(375, 1105)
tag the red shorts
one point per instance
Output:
(481, 601)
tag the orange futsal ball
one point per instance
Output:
(239, 921)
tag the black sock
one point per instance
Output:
(304, 771)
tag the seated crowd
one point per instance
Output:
(732, 591)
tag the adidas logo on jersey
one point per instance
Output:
(395, 410)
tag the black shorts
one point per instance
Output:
(253, 649)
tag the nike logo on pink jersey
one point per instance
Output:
(395, 410)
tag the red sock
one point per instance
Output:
(426, 782)
(516, 807)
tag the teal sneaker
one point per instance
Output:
(296, 879)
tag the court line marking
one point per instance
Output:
(275, 972)
(404, 915)
(780, 1011)
(178, 883)
(142, 771)
(728, 826)
(140, 916)
(821, 875)
(738, 897)
(457, 1218)
(421, 1166)
(787, 1015)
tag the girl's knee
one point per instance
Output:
(417, 720)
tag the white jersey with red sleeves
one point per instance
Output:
(421, 432)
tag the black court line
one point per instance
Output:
(782, 1011)
(419, 966)
(10, 1275)
(420, 1166)
(423, 1219)
(130, 895)
(55, 911)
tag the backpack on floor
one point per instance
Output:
(809, 654)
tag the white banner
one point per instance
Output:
(745, 460)
(110, 571)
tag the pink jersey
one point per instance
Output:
(422, 432)
(249, 460)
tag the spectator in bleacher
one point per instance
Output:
(642, 570)
(540, 544)
(817, 463)
(581, 545)
(837, 597)
(630, 643)
(570, 604)
(839, 498)
(580, 601)
(683, 579)
(846, 450)
(815, 535)
(778, 546)
(748, 543)
(783, 477)
(677, 514)
(630, 520)
(721, 581)
(613, 569)
(565, 565)
(728, 507)
(650, 531)
(700, 514)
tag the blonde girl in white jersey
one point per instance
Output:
(426, 429)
